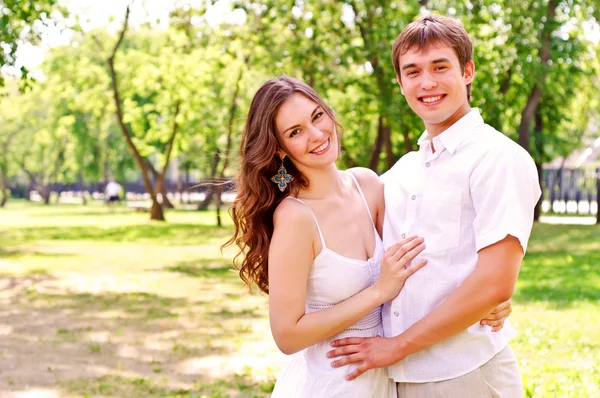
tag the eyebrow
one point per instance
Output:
(435, 61)
(297, 125)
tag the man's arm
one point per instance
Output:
(491, 283)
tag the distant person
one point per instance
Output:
(112, 193)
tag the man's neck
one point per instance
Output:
(435, 129)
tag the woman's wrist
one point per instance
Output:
(377, 294)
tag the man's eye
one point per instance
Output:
(441, 68)
(412, 72)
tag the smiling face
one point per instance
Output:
(306, 133)
(434, 85)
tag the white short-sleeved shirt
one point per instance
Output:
(113, 189)
(475, 189)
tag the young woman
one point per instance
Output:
(310, 238)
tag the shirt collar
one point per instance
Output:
(455, 134)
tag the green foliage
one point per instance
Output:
(198, 77)
(17, 20)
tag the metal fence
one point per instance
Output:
(573, 191)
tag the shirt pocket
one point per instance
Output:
(439, 219)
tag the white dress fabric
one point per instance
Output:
(334, 278)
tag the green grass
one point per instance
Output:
(94, 304)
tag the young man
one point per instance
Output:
(112, 192)
(470, 192)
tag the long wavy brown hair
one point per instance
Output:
(257, 196)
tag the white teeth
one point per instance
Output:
(432, 99)
(320, 147)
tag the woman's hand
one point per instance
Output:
(496, 318)
(394, 270)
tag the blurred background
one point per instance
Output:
(133, 297)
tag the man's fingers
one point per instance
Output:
(347, 341)
(505, 305)
(358, 371)
(498, 315)
(492, 323)
(345, 350)
(354, 358)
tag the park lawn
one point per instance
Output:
(113, 305)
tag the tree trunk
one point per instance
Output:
(535, 96)
(82, 190)
(170, 144)
(45, 192)
(230, 125)
(389, 153)
(219, 202)
(377, 146)
(3, 186)
(210, 192)
(160, 188)
(539, 149)
(156, 212)
(597, 195)
(187, 182)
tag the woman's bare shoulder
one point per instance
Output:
(292, 213)
(367, 178)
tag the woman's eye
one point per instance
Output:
(294, 132)
(318, 115)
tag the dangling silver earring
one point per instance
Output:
(282, 178)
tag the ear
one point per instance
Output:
(400, 84)
(469, 74)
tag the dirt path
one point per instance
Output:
(55, 342)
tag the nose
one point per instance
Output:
(428, 82)
(315, 134)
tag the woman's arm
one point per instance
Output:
(291, 255)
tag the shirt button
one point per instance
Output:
(403, 236)
(396, 313)
(413, 197)
(427, 164)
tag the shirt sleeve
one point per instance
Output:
(504, 189)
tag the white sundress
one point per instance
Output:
(334, 278)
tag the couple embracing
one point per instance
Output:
(397, 285)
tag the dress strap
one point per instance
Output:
(362, 196)
(315, 218)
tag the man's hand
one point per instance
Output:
(498, 315)
(371, 352)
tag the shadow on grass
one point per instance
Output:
(117, 386)
(22, 282)
(161, 335)
(205, 268)
(86, 212)
(133, 305)
(171, 233)
(562, 266)
(31, 252)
